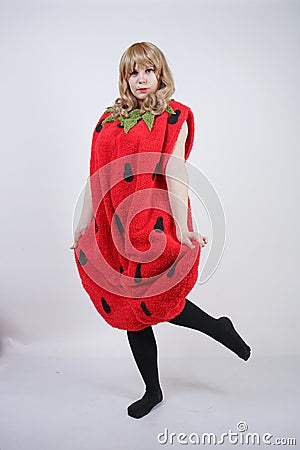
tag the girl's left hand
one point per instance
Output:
(186, 236)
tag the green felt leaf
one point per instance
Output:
(108, 119)
(129, 123)
(170, 110)
(148, 118)
(135, 114)
(134, 117)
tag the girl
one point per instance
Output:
(135, 248)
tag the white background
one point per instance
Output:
(236, 64)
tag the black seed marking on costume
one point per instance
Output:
(96, 226)
(128, 175)
(99, 127)
(105, 305)
(144, 308)
(156, 170)
(119, 223)
(121, 269)
(172, 270)
(82, 258)
(138, 276)
(120, 125)
(172, 119)
(159, 226)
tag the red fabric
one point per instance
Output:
(130, 261)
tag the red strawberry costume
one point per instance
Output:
(130, 261)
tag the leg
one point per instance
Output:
(144, 349)
(220, 329)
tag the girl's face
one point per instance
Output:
(142, 82)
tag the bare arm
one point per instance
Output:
(177, 181)
(87, 207)
(86, 215)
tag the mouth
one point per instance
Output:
(142, 89)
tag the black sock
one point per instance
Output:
(220, 329)
(144, 349)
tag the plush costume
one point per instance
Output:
(130, 261)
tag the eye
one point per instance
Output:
(133, 73)
(149, 69)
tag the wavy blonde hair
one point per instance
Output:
(143, 54)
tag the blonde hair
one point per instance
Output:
(143, 54)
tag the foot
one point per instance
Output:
(231, 339)
(144, 405)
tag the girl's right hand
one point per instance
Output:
(186, 237)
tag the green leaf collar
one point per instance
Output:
(134, 117)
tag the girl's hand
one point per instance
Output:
(80, 230)
(185, 237)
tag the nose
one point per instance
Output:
(141, 79)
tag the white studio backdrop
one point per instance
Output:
(236, 65)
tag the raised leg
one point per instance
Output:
(221, 329)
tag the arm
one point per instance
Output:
(87, 208)
(86, 215)
(177, 181)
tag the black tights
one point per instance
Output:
(144, 350)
